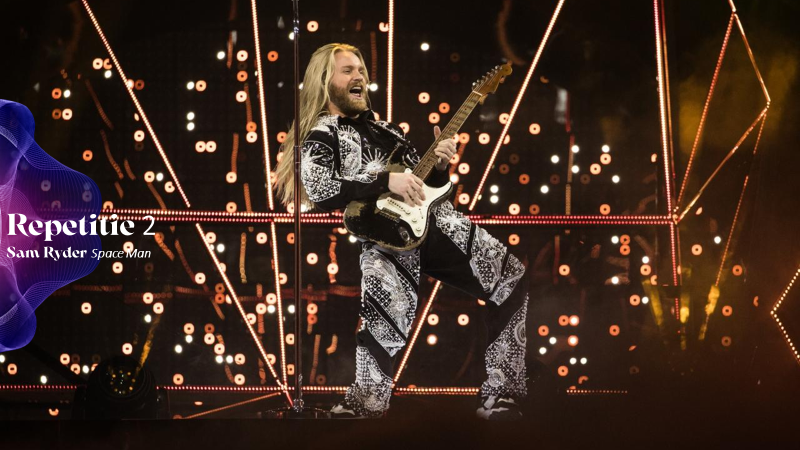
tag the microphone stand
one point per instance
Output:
(298, 286)
(297, 410)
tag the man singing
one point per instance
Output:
(344, 156)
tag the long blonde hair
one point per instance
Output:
(314, 98)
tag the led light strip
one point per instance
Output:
(595, 392)
(390, 64)
(136, 103)
(334, 219)
(242, 312)
(662, 106)
(688, 207)
(421, 322)
(261, 101)
(750, 53)
(280, 301)
(309, 389)
(705, 110)
(270, 200)
(231, 406)
(516, 105)
(774, 314)
(730, 234)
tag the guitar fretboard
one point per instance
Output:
(428, 162)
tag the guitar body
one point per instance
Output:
(405, 228)
(396, 225)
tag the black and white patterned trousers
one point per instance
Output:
(459, 254)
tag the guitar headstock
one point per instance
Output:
(489, 82)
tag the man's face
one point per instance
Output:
(348, 90)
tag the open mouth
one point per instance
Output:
(357, 92)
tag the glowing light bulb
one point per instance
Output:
(290, 308)
(553, 340)
(615, 239)
(645, 260)
(43, 379)
(219, 359)
(425, 46)
(554, 159)
(615, 179)
(220, 247)
(614, 280)
(717, 240)
(190, 116)
(494, 189)
(178, 348)
(190, 85)
(373, 86)
(544, 189)
(220, 54)
(159, 176)
(645, 300)
(573, 360)
(67, 93)
(107, 74)
(148, 318)
(190, 126)
(229, 359)
(606, 148)
(542, 350)
(189, 339)
(575, 169)
(583, 360)
(575, 149)
(271, 309)
(494, 199)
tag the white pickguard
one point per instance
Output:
(415, 216)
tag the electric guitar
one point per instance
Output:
(389, 221)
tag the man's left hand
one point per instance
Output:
(445, 150)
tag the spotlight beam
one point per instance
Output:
(513, 112)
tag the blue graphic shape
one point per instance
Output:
(34, 184)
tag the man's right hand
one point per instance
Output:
(408, 186)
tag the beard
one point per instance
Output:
(346, 103)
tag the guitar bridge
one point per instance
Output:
(393, 216)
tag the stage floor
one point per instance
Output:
(683, 418)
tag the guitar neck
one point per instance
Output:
(428, 162)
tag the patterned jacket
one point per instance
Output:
(344, 159)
